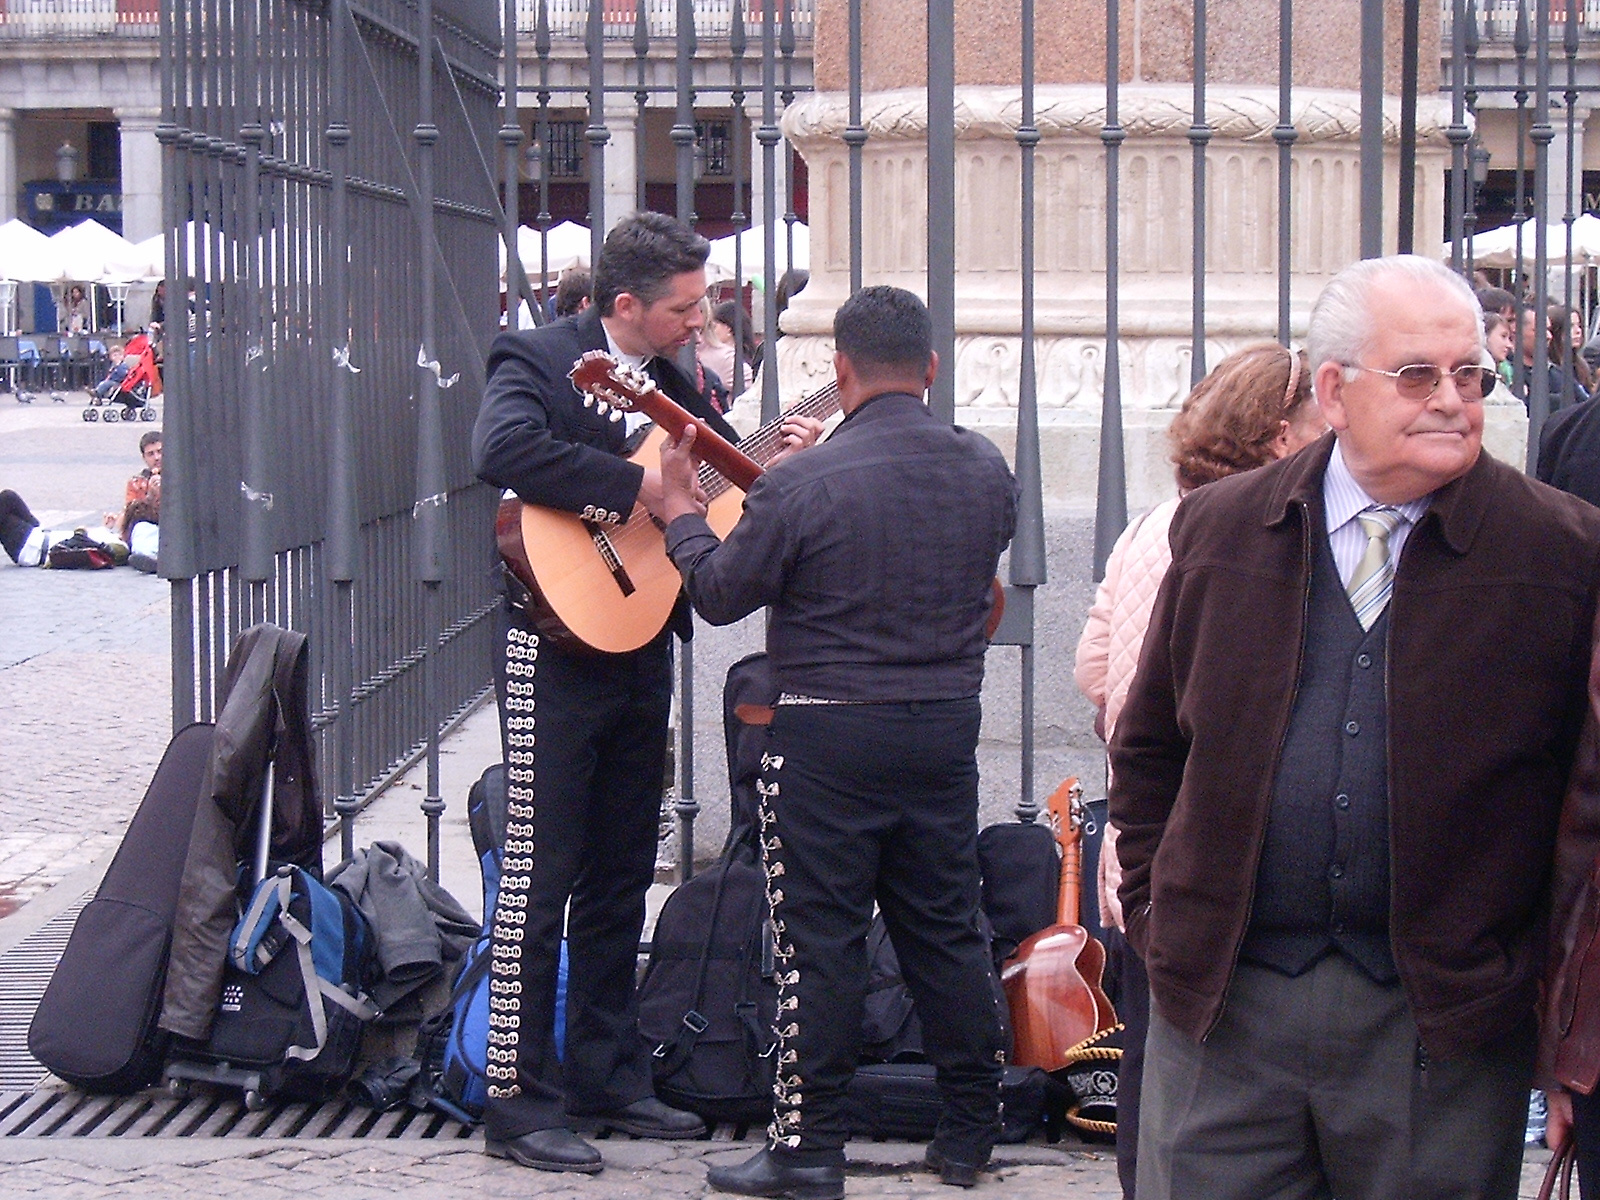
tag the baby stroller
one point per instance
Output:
(133, 383)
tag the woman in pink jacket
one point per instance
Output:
(1255, 406)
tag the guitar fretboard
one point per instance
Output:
(764, 444)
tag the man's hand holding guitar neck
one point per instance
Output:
(675, 491)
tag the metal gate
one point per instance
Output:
(331, 217)
(335, 162)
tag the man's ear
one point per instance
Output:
(625, 306)
(933, 369)
(1329, 385)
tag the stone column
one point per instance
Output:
(8, 164)
(1156, 198)
(141, 172)
(622, 165)
(1562, 185)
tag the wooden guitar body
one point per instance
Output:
(1053, 982)
(1054, 1006)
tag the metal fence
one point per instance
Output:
(335, 167)
(331, 219)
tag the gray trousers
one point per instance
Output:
(1317, 1087)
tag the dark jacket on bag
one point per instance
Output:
(265, 704)
(1491, 628)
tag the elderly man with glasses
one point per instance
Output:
(1341, 780)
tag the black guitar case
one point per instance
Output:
(96, 1025)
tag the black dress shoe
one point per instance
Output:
(956, 1174)
(764, 1175)
(647, 1118)
(547, 1150)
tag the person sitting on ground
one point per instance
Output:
(138, 524)
(29, 545)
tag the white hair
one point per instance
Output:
(1341, 319)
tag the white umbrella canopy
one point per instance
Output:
(26, 255)
(86, 248)
(752, 251)
(1498, 247)
(568, 247)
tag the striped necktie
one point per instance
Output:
(1373, 581)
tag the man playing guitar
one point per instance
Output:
(583, 733)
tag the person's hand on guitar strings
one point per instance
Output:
(799, 433)
(680, 490)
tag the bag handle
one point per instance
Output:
(1559, 1172)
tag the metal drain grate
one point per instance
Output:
(62, 1113)
(24, 973)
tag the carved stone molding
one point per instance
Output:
(1242, 114)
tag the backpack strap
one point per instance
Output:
(675, 1053)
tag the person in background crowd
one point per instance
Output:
(722, 334)
(1255, 407)
(74, 311)
(139, 522)
(572, 292)
(1497, 336)
(1344, 932)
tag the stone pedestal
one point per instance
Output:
(8, 164)
(1154, 254)
(141, 172)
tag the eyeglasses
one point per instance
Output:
(1420, 380)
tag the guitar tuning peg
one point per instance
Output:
(616, 414)
(588, 400)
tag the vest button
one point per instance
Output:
(1341, 801)
(1352, 728)
(1363, 660)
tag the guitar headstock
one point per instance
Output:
(610, 387)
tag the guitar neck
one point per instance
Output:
(1064, 823)
(763, 445)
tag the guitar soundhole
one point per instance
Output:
(613, 561)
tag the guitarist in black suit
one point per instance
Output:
(584, 734)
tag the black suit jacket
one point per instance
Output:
(535, 436)
(1569, 451)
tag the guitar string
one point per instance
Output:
(769, 436)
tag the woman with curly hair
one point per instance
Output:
(1255, 407)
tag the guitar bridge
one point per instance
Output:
(608, 554)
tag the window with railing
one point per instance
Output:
(712, 18)
(1496, 20)
(78, 18)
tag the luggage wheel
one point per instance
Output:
(178, 1089)
(254, 1101)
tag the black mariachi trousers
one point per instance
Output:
(584, 738)
(863, 802)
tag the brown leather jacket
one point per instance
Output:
(1490, 632)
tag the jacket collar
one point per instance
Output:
(1458, 507)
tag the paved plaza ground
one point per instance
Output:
(85, 693)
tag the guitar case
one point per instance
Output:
(96, 1024)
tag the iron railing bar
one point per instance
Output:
(1111, 488)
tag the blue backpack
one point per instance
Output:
(463, 1079)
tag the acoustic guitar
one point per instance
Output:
(1053, 982)
(612, 587)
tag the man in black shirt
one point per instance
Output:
(876, 551)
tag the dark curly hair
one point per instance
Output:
(1230, 421)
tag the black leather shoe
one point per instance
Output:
(956, 1174)
(764, 1175)
(548, 1150)
(647, 1118)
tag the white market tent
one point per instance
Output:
(1497, 248)
(83, 252)
(568, 246)
(25, 253)
(752, 252)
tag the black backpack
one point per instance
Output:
(708, 998)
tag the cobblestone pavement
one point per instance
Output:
(84, 658)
